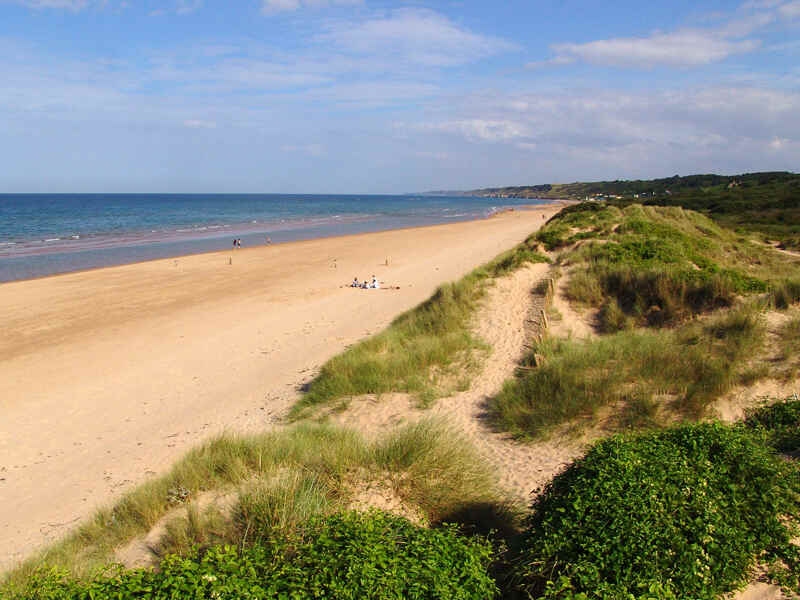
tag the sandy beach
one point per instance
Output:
(108, 376)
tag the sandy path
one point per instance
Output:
(108, 376)
(501, 322)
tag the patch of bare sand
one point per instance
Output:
(571, 323)
(521, 467)
(733, 405)
(143, 551)
(382, 495)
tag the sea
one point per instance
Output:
(45, 234)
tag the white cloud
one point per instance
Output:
(415, 36)
(199, 124)
(790, 9)
(276, 6)
(74, 5)
(689, 47)
(483, 130)
(313, 150)
(556, 61)
(611, 133)
(185, 7)
(681, 49)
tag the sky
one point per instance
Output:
(373, 96)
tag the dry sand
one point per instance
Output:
(108, 376)
(507, 321)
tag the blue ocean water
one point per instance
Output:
(43, 234)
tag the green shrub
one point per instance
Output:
(683, 513)
(347, 556)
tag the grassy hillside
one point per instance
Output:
(654, 275)
(768, 203)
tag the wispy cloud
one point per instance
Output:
(416, 36)
(678, 49)
(790, 10)
(199, 124)
(269, 7)
(476, 129)
(185, 7)
(313, 150)
(730, 35)
(73, 5)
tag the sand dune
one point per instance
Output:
(107, 376)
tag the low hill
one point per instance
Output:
(768, 203)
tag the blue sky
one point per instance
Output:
(372, 96)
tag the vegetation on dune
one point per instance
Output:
(346, 556)
(643, 373)
(650, 271)
(418, 352)
(683, 513)
(767, 203)
(280, 480)
(657, 266)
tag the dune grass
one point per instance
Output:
(657, 266)
(643, 372)
(280, 480)
(424, 350)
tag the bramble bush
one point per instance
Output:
(346, 556)
(683, 513)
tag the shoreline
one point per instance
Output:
(289, 242)
(107, 376)
(33, 259)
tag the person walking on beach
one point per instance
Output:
(234, 242)
(239, 242)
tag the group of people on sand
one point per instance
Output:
(366, 285)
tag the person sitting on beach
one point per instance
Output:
(375, 285)
(364, 285)
(355, 282)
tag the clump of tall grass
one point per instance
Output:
(279, 480)
(414, 456)
(658, 266)
(416, 353)
(692, 366)
(785, 292)
(788, 357)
